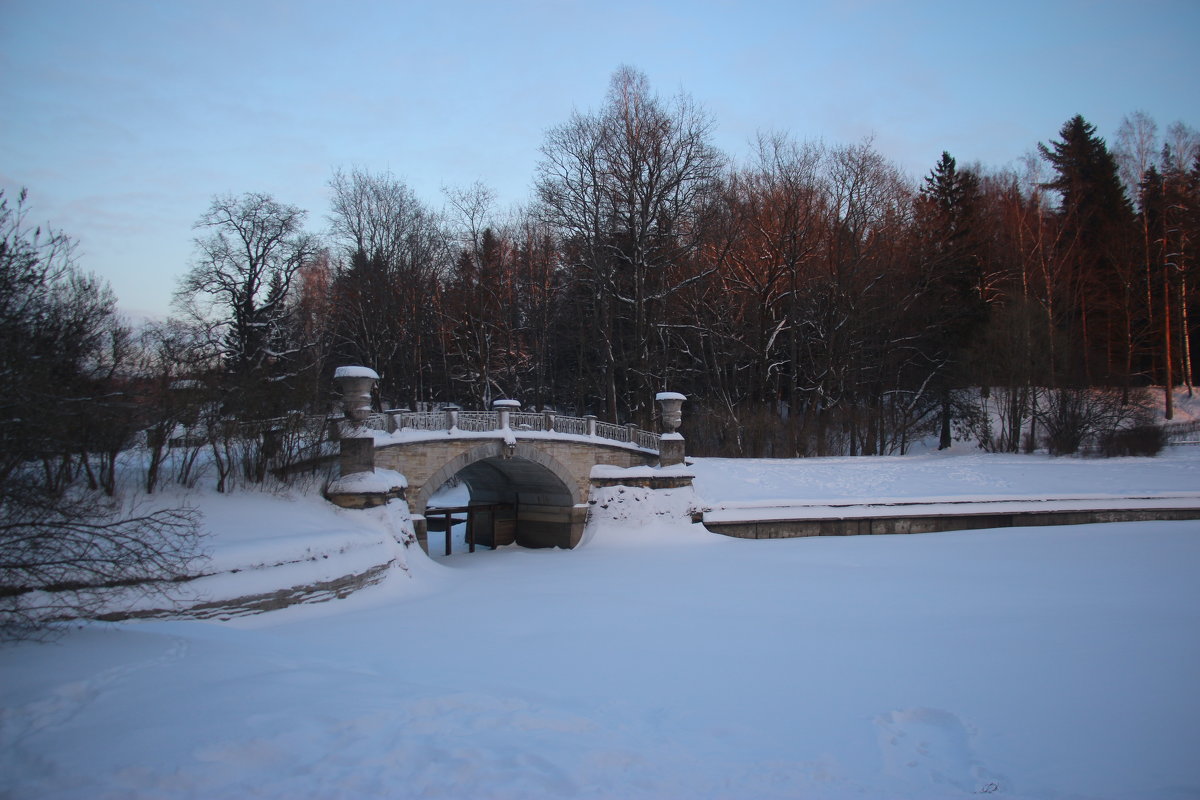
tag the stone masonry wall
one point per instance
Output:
(571, 461)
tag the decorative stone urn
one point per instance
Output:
(355, 384)
(672, 409)
(357, 443)
(670, 445)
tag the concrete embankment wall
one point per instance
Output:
(933, 523)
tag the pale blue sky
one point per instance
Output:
(124, 118)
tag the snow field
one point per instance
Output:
(659, 661)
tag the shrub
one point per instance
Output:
(1073, 417)
(1142, 440)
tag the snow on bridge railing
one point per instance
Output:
(518, 421)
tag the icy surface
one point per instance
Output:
(659, 661)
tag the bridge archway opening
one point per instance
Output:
(528, 502)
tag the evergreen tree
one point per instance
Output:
(1098, 222)
(950, 254)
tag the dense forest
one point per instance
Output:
(810, 299)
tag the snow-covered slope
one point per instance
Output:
(264, 550)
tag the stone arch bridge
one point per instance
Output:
(533, 469)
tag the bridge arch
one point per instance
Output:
(548, 508)
(492, 454)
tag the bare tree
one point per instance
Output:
(770, 227)
(628, 186)
(472, 210)
(1136, 152)
(571, 185)
(856, 296)
(1182, 147)
(392, 253)
(479, 297)
(65, 537)
(180, 375)
(1183, 161)
(1136, 149)
(241, 279)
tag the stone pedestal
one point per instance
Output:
(356, 488)
(670, 449)
(358, 445)
(357, 454)
(670, 444)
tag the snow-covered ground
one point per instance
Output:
(659, 661)
(943, 483)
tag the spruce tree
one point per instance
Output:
(950, 254)
(1097, 220)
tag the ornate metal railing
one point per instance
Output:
(518, 421)
(1182, 432)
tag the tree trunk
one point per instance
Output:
(945, 440)
(1169, 381)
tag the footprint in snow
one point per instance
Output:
(934, 746)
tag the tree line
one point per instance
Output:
(810, 299)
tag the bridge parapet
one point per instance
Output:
(486, 421)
